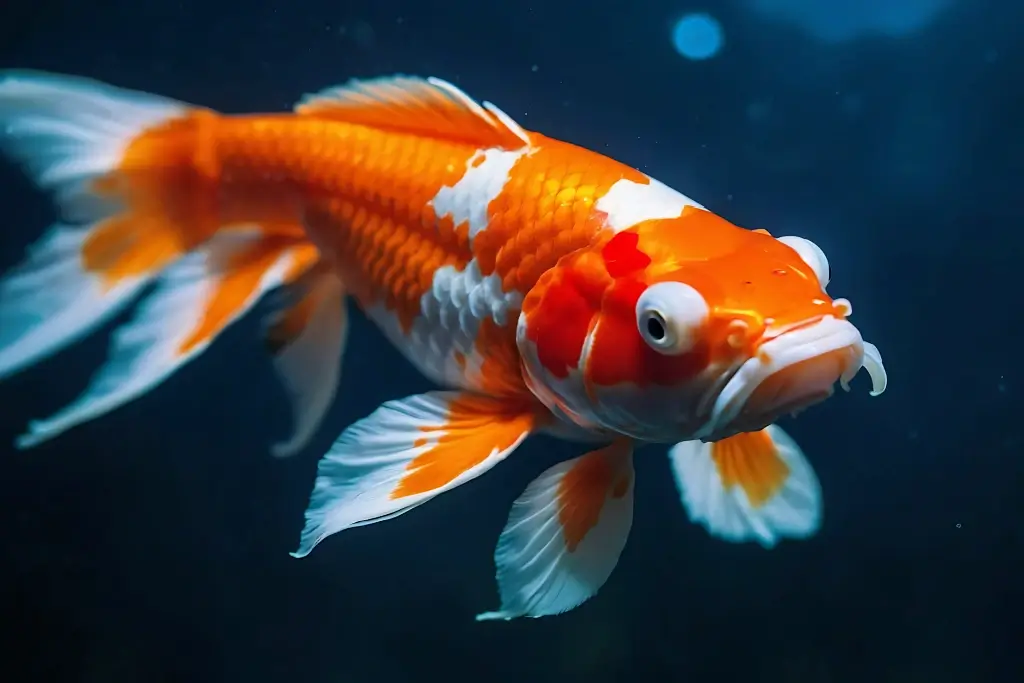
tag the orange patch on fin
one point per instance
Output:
(235, 283)
(565, 534)
(751, 461)
(129, 245)
(460, 360)
(584, 488)
(291, 322)
(476, 428)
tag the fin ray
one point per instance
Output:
(309, 339)
(47, 303)
(407, 452)
(565, 534)
(174, 324)
(410, 104)
(755, 486)
(70, 135)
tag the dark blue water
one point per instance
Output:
(152, 545)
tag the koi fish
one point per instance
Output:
(543, 287)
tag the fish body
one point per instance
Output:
(543, 286)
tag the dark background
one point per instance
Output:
(152, 545)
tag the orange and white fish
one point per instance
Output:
(547, 288)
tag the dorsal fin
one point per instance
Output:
(409, 104)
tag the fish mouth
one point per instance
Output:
(792, 371)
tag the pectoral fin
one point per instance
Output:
(755, 486)
(407, 452)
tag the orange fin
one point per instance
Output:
(308, 342)
(565, 534)
(423, 106)
(755, 486)
(194, 301)
(407, 452)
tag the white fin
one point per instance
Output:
(194, 301)
(309, 361)
(875, 368)
(427, 106)
(67, 133)
(407, 452)
(755, 486)
(565, 534)
(48, 302)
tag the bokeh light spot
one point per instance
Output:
(697, 36)
(837, 21)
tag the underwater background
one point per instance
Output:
(151, 545)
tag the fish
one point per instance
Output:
(542, 287)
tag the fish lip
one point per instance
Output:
(782, 350)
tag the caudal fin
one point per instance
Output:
(73, 137)
(194, 301)
(127, 179)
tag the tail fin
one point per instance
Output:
(131, 190)
(72, 136)
(195, 300)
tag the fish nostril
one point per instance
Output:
(843, 307)
(737, 334)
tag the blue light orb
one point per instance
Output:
(837, 21)
(697, 36)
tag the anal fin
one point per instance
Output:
(754, 486)
(308, 340)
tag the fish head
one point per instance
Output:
(689, 328)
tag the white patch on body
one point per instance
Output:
(628, 203)
(450, 317)
(468, 199)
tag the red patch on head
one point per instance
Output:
(619, 355)
(559, 326)
(621, 255)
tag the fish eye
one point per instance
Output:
(669, 316)
(656, 326)
(812, 255)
